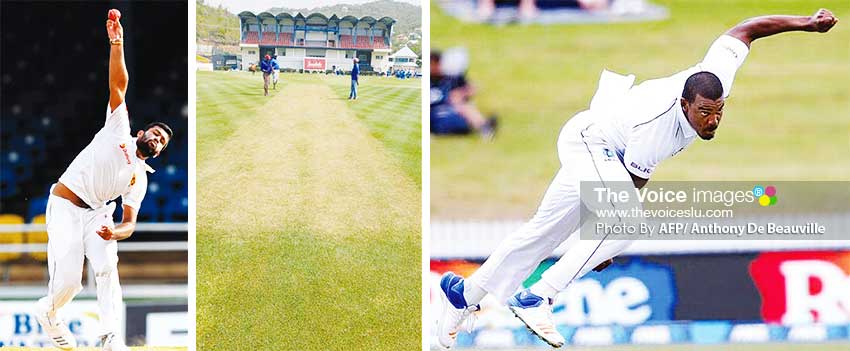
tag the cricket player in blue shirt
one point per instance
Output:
(355, 71)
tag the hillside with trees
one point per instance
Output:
(218, 27)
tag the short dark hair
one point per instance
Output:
(162, 125)
(705, 84)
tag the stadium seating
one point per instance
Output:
(251, 38)
(150, 209)
(38, 238)
(363, 43)
(33, 146)
(269, 38)
(175, 209)
(160, 267)
(20, 162)
(37, 206)
(284, 39)
(11, 238)
(346, 42)
(379, 43)
(8, 183)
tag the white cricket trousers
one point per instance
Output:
(582, 156)
(71, 232)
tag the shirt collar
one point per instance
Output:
(147, 168)
(687, 130)
(136, 157)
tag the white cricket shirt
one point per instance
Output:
(645, 123)
(108, 167)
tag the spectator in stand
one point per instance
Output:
(452, 112)
(266, 67)
(528, 8)
(275, 71)
(355, 72)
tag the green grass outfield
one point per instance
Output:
(308, 213)
(787, 118)
(391, 109)
(720, 347)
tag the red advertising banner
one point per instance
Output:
(314, 63)
(803, 287)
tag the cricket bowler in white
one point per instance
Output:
(79, 221)
(627, 131)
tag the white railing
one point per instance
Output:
(153, 246)
(140, 227)
(89, 291)
(158, 246)
(129, 291)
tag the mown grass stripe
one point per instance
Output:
(391, 109)
(302, 216)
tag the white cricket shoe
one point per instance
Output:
(536, 313)
(456, 313)
(110, 342)
(57, 330)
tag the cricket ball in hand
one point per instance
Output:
(114, 15)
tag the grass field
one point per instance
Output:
(308, 214)
(787, 117)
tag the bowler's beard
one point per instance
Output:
(143, 147)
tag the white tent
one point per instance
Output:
(404, 59)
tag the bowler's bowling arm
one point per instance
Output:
(765, 26)
(118, 76)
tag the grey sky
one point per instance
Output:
(236, 6)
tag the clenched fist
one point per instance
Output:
(822, 21)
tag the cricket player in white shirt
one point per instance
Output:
(79, 221)
(625, 134)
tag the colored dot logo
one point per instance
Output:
(766, 196)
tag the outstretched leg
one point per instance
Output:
(65, 267)
(103, 258)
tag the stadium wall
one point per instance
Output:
(767, 296)
(293, 58)
(380, 60)
(149, 323)
(250, 55)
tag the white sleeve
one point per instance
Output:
(117, 121)
(724, 57)
(136, 194)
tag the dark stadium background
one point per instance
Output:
(54, 73)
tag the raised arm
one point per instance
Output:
(765, 26)
(118, 77)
